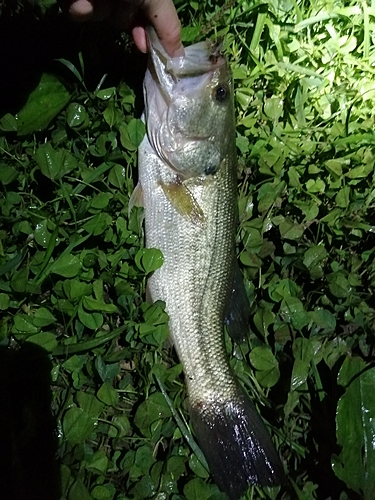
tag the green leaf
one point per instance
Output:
(294, 312)
(24, 324)
(117, 176)
(8, 123)
(324, 319)
(98, 462)
(342, 198)
(102, 492)
(314, 255)
(263, 318)
(7, 174)
(266, 365)
(154, 408)
(76, 115)
(273, 107)
(89, 403)
(4, 301)
(66, 265)
(355, 427)
(93, 320)
(339, 285)
(197, 489)
(43, 317)
(108, 395)
(149, 259)
(144, 459)
(77, 425)
(78, 491)
(136, 130)
(290, 230)
(54, 164)
(98, 224)
(46, 340)
(43, 104)
(92, 304)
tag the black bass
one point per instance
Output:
(187, 176)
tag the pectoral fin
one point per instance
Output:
(184, 202)
(136, 198)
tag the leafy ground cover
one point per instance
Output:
(73, 265)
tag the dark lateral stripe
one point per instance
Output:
(237, 446)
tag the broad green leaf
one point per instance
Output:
(98, 462)
(339, 285)
(149, 259)
(43, 317)
(53, 163)
(136, 130)
(105, 94)
(314, 255)
(98, 224)
(273, 107)
(154, 408)
(77, 425)
(46, 340)
(290, 230)
(197, 489)
(79, 491)
(89, 403)
(294, 312)
(266, 365)
(343, 197)
(76, 115)
(355, 427)
(121, 427)
(144, 459)
(24, 324)
(4, 301)
(93, 320)
(102, 492)
(43, 104)
(108, 395)
(66, 265)
(324, 318)
(8, 123)
(117, 176)
(7, 174)
(263, 318)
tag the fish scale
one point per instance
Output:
(191, 216)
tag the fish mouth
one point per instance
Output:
(198, 59)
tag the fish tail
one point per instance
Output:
(237, 446)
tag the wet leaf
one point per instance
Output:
(77, 425)
(43, 104)
(355, 427)
(67, 266)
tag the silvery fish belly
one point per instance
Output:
(187, 176)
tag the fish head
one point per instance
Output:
(189, 107)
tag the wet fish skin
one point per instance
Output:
(187, 173)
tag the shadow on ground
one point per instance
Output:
(28, 443)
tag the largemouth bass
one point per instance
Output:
(187, 174)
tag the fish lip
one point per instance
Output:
(189, 64)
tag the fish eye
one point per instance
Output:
(221, 93)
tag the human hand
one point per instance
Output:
(135, 14)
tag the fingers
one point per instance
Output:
(161, 14)
(84, 10)
(163, 17)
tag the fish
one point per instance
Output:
(188, 188)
